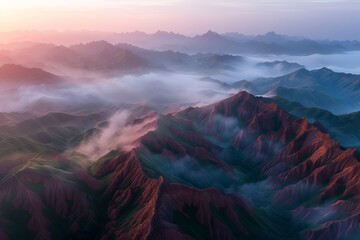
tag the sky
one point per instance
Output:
(319, 19)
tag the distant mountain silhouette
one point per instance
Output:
(210, 42)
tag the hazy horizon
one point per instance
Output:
(318, 19)
(164, 31)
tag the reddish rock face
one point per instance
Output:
(143, 208)
(189, 213)
(40, 201)
(307, 175)
(238, 169)
(130, 196)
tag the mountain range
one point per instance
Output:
(165, 136)
(210, 42)
(341, 127)
(239, 168)
(322, 88)
(121, 59)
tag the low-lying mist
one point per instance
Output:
(119, 97)
(120, 133)
(161, 91)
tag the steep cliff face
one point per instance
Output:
(130, 197)
(189, 213)
(139, 207)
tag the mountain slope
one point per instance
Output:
(42, 200)
(344, 128)
(241, 168)
(322, 88)
(95, 57)
(16, 74)
(281, 66)
(53, 132)
(104, 56)
(177, 61)
(246, 146)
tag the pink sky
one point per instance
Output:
(315, 18)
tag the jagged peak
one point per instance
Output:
(242, 95)
(211, 33)
(166, 33)
(323, 70)
(100, 43)
(272, 33)
(300, 72)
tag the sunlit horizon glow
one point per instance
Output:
(335, 19)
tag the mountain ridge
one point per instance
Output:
(269, 43)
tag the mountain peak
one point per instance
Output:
(101, 44)
(302, 72)
(164, 33)
(242, 95)
(324, 70)
(271, 37)
(93, 47)
(272, 33)
(211, 33)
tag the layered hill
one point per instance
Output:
(344, 128)
(177, 61)
(53, 132)
(116, 59)
(322, 88)
(98, 56)
(282, 66)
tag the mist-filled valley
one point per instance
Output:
(165, 136)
